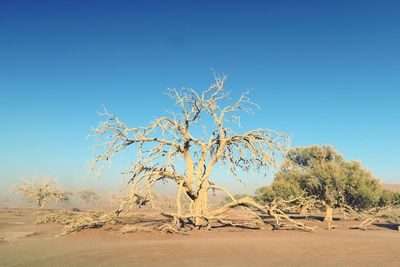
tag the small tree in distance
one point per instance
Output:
(42, 191)
(172, 139)
(89, 196)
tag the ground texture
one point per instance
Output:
(23, 243)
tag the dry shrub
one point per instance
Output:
(75, 221)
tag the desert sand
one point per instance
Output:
(24, 243)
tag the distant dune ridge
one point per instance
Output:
(394, 187)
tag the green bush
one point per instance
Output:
(322, 172)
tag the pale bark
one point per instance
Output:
(328, 213)
(167, 139)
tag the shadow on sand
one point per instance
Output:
(390, 226)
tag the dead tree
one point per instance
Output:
(172, 139)
(41, 191)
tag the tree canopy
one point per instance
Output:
(322, 172)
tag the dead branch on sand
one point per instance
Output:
(386, 214)
(76, 221)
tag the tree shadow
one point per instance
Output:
(312, 217)
(227, 226)
(390, 226)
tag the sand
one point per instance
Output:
(23, 243)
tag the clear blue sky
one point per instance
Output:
(327, 72)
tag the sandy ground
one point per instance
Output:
(23, 243)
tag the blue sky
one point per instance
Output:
(327, 72)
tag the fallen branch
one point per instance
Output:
(77, 221)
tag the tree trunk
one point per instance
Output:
(328, 213)
(40, 203)
(200, 207)
(303, 211)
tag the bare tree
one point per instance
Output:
(169, 140)
(41, 191)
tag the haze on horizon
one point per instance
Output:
(324, 72)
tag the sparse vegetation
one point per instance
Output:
(310, 178)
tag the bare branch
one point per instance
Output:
(168, 140)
